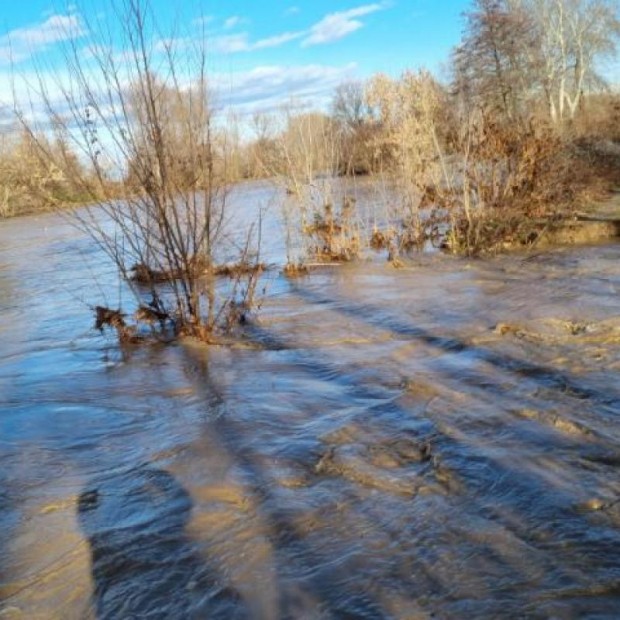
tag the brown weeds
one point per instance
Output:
(294, 270)
(242, 268)
(115, 319)
(333, 237)
(520, 181)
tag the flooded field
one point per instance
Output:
(436, 441)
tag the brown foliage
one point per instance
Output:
(240, 269)
(294, 270)
(520, 180)
(333, 237)
(598, 118)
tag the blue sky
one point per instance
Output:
(264, 51)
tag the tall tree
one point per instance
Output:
(494, 62)
(348, 104)
(572, 36)
(514, 51)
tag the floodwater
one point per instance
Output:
(437, 441)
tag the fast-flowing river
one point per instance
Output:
(436, 441)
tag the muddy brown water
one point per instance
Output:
(437, 441)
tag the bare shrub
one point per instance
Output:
(407, 143)
(517, 181)
(140, 112)
(304, 159)
(334, 235)
(352, 115)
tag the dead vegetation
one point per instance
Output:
(31, 183)
(241, 269)
(168, 229)
(381, 239)
(463, 173)
(294, 270)
(333, 236)
(115, 319)
(520, 183)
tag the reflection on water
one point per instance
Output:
(436, 441)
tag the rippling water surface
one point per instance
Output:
(441, 440)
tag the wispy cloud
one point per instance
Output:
(231, 43)
(332, 27)
(233, 21)
(263, 87)
(277, 40)
(235, 43)
(267, 87)
(292, 10)
(337, 25)
(22, 43)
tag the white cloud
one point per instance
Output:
(31, 89)
(230, 44)
(277, 40)
(292, 10)
(332, 27)
(233, 21)
(22, 43)
(235, 43)
(267, 87)
(335, 26)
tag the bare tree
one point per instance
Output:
(349, 104)
(352, 115)
(573, 35)
(496, 60)
(514, 52)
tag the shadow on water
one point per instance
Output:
(143, 563)
(316, 593)
(7, 504)
(543, 375)
(499, 491)
(347, 594)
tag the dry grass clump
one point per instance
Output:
(240, 269)
(333, 237)
(382, 239)
(115, 319)
(294, 270)
(143, 274)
